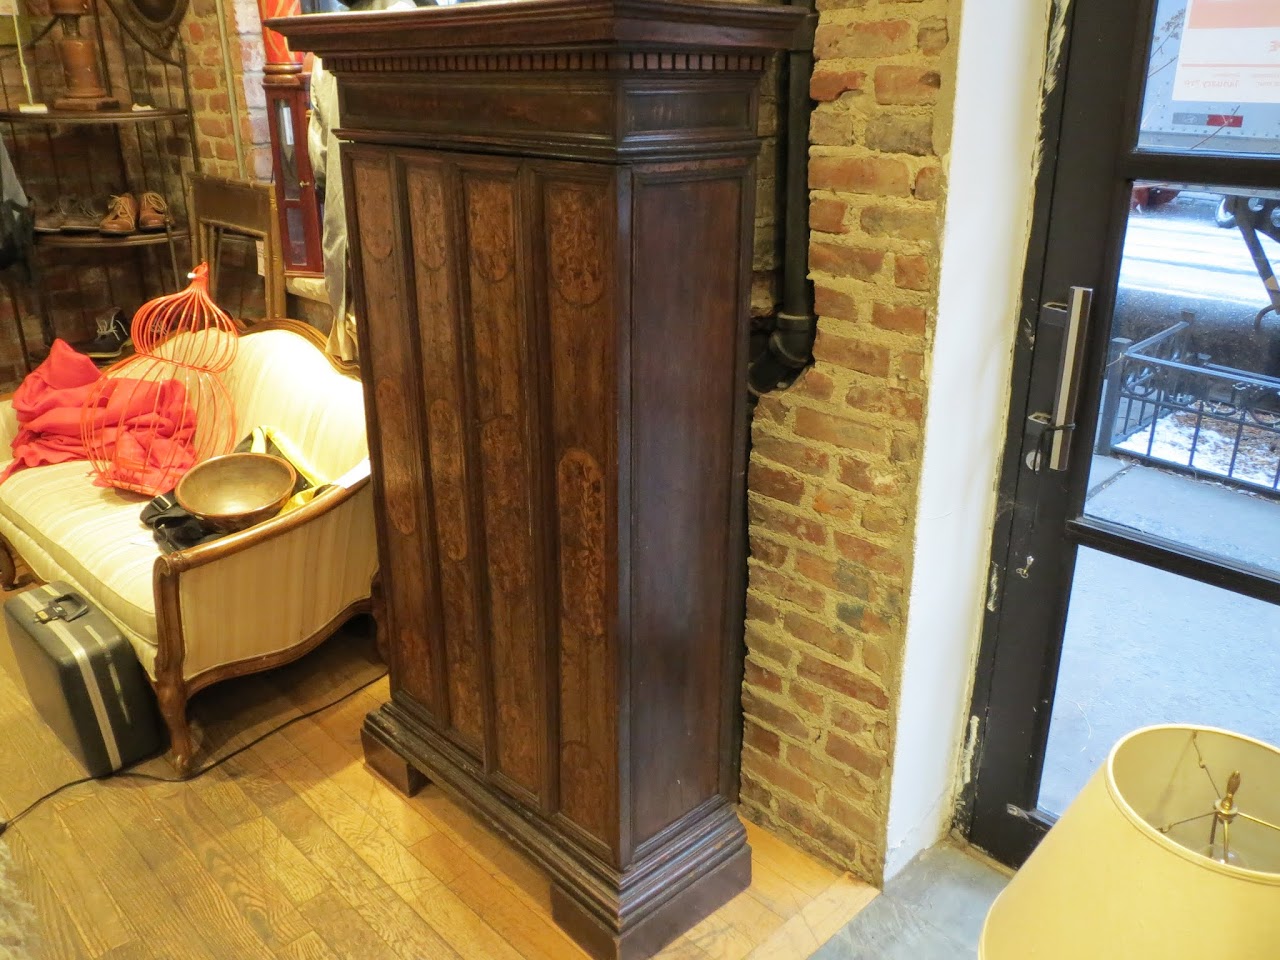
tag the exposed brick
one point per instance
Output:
(851, 815)
(802, 528)
(855, 755)
(760, 678)
(903, 447)
(883, 517)
(845, 261)
(814, 831)
(834, 303)
(864, 551)
(785, 586)
(780, 775)
(874, 657)
(861, 617)
(932, 37)
(876, 38)
(896, 403)
(928, 184)
(761, 609)
(866, 477)
(834, 503)
(874, 175)
(901, 133)
(764, 646)
(907, 85)
(838, 431)
(842, 681)
(806, 699)
(900, 223)
(911, 365)
(822, 635)
(797, 456)
(900, 318)
(869, 358)
(829, 82)
(766, 741)
(774, 715)
(775, 483)
(912, 272)
(829, 127)
(816, 766)
(827, 215)
(768, 552)
(814, 383)
(853, 721)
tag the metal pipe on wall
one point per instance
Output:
(790, 346)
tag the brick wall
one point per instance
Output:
(836, 460)
(209, 91)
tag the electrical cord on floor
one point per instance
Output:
(129, 773)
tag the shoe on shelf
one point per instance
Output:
(83, 216)
(122, 215)
(153, 212)
(50, 217)
(113, 337)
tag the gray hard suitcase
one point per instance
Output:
(83, 677)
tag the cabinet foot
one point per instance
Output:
(383, 759)
(681, 910)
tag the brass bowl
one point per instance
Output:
(236, 491)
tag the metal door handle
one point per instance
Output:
(1066, 396)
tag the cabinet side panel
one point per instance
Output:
(687, 321)
(390, 367)
(578, 250)
(500, 356)
(434, 260)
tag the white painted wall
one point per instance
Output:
(991, 172)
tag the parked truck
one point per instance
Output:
(1250, 125)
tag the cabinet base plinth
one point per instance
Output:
(387, 762)
(701, 863)
(646, 937)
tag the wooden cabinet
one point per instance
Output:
(550, 212)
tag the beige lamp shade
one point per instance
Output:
(1126, 873)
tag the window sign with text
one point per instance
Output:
(1230, 51)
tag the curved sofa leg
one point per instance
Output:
(173, 707)
(8, 566)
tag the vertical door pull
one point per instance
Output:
(1067, 394)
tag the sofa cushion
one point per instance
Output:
(92, 534)
(279, 380)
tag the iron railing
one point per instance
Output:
(1165, 404)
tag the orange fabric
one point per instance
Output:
(146, 428)
(48, 407)
(148, 424)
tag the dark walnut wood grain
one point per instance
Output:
(550, 207)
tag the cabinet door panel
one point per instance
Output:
(408, 576)
(576, 255)
(429, 187)
(505, 413)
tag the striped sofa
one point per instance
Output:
(246, 602)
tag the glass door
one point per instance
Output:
(1137, 571)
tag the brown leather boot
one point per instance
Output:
(154, 212)
(122, 215)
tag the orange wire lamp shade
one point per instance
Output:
(165, 409)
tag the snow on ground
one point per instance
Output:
(1258, 459)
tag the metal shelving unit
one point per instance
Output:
(91, 153)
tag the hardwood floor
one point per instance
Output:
(295, 851)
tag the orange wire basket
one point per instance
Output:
(167, 408)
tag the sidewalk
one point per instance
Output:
(1144, 646)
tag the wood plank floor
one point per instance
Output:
(295, 851)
